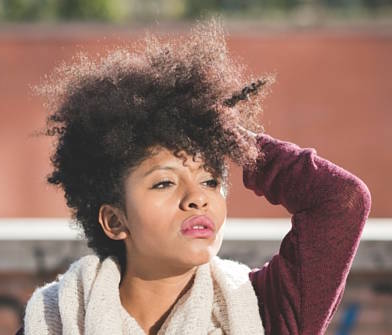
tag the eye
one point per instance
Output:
(163, 184)
(213, 183)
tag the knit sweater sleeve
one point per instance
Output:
(300, 288)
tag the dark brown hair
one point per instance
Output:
(183, 93)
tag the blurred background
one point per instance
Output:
(333, 61)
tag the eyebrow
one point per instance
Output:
(163, 167)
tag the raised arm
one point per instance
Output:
(301, 287)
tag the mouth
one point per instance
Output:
(199, 226)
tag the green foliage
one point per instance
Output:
(283, 5)
(32, 10)
(375, 4)
(196, 8)
(16, 10)
(117, 10)
(85, 9)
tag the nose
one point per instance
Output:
(194, 198)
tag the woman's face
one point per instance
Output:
(160, 194)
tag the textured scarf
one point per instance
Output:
(86, 300)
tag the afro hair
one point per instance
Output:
(107, 112)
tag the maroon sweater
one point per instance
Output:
(300, 288)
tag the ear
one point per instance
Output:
(113, 222)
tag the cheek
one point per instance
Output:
(150, 223)
(221, 208)
(148, 210)
(147, 235)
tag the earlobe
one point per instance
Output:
(112, 222)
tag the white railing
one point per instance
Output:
(20, 229)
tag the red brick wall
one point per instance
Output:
(333, 93)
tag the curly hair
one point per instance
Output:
(106, 113)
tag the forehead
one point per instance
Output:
(163, 157)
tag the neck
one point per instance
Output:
(149, 295)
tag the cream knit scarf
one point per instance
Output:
(86, 300)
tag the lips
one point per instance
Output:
(198, 226)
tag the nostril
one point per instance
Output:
(194, 201)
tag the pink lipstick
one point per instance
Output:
(199, 226)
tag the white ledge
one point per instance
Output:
(237, 229)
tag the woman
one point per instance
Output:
(143, 140)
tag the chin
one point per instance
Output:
(195, 252)
(201, 255)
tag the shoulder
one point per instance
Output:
(236, 272)
(42, 311)
(229, 264)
